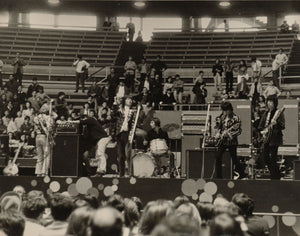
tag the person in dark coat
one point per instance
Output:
(33, 87)
(94, 142)
(200, 93)
(272, 117)
(156, 89)
(159, 67)
(113, 82)
(168, 99)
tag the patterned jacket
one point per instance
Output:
(118, 117)
(232, 125)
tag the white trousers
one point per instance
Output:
(43, 155)
(101, 155)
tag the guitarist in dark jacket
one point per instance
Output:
(228, 125)
(270, 145)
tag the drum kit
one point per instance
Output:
(145, 164)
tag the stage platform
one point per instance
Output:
(272, 198)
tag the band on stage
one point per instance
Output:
(144, 157)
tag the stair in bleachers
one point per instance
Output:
(190, 49)
(294, 59)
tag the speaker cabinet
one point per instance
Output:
(65, 156)
(194, 163)
(296, 170)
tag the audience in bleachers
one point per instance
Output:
(60, 214)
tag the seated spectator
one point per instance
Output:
(21, 96)
(121, 90)
(85, 110)
(107, 112)
(79, 221)
(144, 98)
(256, 225)
(28, 110)
(285, 28)
(200, 93)
(271, 89)
(12, 84)
(33, 87)
(3, 128)
(12, 128)
(242, 71)
(168, 99)
(61, 104)
(217, 71)
(35, 104)
(106, 221)
(168, 85)
(19, 120)
(94, 90)
(73, 116)
(26, 127)
(139, 38)
(61, 207)
(41, 96)
(70, 108)
(33, 208)
(11, 109)
(295, 27)
(242, 89)
(11, 224)
(153, 213)
(9, 95)
(61, 120)
(10, 202)
(3, 104)
(177, 224)
(178, 89)
(224, 224)
(92, 103)
(200, 78)
(6, 118)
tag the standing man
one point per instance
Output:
(113, 82)
(272, 117)
(123, 117)
(131, 30)
(1, 67)
(18, 64)
(96, 140)
(228, 127)
(159, 67)
(43, 126)
(130, 68)
(217, 71)
(281, 60)
(81, 72)
(144, 69)
(256, 68)
(228, 69)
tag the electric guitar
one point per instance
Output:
(268, 131)
(12, 168)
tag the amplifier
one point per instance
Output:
(194, 163)
(67, 128)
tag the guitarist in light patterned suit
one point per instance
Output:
(228, 127)
(270, 147)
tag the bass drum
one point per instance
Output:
(143, 165)
(158, 147)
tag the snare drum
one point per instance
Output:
(158, 147)
(143, 165)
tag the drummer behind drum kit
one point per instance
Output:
(144, 164)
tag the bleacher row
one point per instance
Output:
(188, 49)
(60, 47)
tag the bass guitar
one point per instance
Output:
(12, 168)
(268, 131)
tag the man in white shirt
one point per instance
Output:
(1, 66)
(281, 59)
(81, 72)
(256, 68)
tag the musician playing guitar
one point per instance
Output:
(275, 119)
(43, 127)
(228, 127)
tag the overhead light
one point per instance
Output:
(140, 4)
(224, 4)
(53, 2)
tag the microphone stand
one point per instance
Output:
(203, 141)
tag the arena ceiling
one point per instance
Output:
(157, 8)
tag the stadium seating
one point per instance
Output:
(60, 47)
(188, 49)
